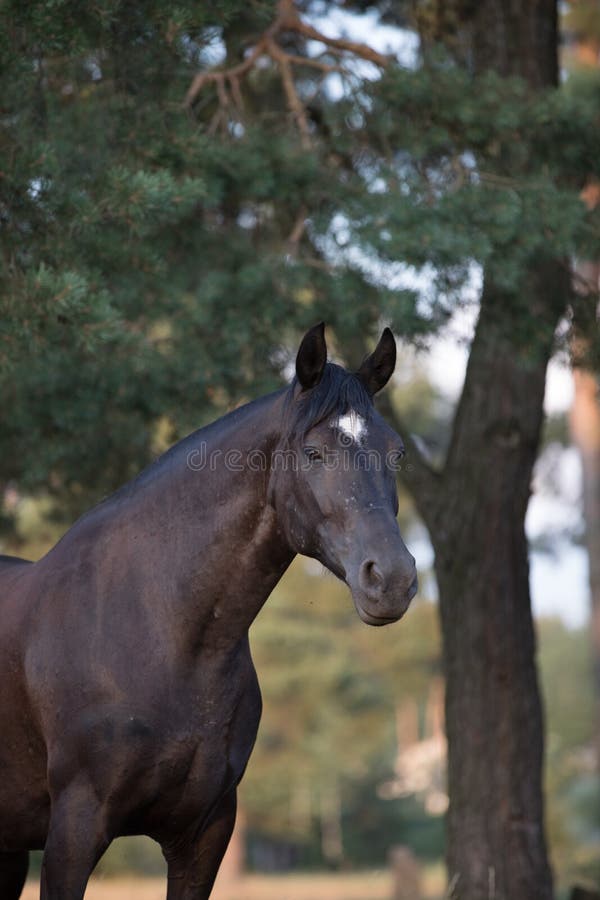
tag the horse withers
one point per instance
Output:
(129, 703)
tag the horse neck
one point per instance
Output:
(217, 535)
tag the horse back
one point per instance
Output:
(11, 569)
(12, 561)
(14, 580)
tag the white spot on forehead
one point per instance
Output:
(352, 425)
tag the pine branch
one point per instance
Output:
(297, 231)
(227, 81)
(363, 51)
(294, 102)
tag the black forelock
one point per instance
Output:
(337, 393)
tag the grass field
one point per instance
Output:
(356, 886)
(375, 886)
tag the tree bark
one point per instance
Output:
(516, 39)
(509, 36)
(495, 830)
(475, 510)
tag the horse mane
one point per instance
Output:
(336, 394)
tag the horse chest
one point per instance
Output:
(219, 737)
(195, 766)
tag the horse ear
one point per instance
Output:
(377, 369)
(312, 356)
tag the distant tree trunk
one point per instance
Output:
(330, 813)
(406, 874)
(301, 807)
(515, 39)
(475, 511)
(407, 723)
(434, 714)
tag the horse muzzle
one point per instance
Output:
(383, 594)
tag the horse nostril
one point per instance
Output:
(370, 576)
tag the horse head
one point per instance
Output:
(338, 503)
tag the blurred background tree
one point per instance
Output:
(582, 59)
(161, 257)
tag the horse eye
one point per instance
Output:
(313, 454)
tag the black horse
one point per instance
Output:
(129, 703)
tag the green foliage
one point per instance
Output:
(473, 170)
(572, 783)
(148, 273)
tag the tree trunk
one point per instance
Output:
(332, 842)
(516, 38)
(475, 512)
(495, 832)
(496, 848)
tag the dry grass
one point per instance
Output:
(370, 886)
(362, 886)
